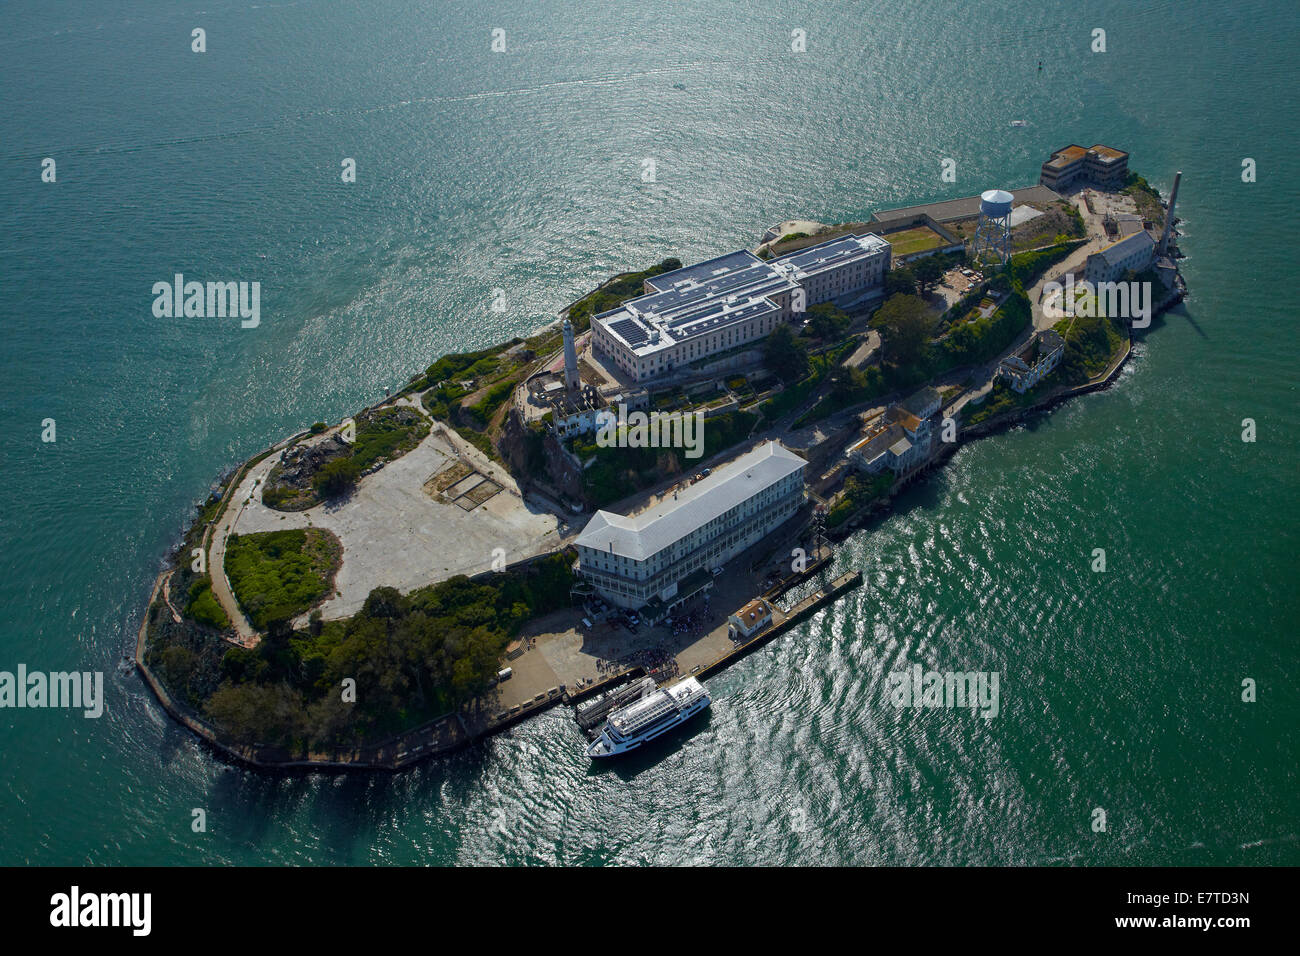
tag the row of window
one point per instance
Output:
(625, 576)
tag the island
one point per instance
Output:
(634, 490)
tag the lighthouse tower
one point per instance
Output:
(571, 379)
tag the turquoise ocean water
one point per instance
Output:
(521, 171)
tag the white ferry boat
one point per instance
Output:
(644, 720)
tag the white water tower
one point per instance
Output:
(993, 234)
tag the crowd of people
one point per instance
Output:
(658, 662)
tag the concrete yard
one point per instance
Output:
(563, 652)
(395, 533)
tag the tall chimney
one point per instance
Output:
(1169, 215)
(571, 379)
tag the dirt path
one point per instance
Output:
(217, 552)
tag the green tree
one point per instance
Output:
(827, 322)
(784, 354)
(257, 713)
(383, 602)
(900, 281)
(928, 271)
(177, 665)
(337, 478)
(906, 324)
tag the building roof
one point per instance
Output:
(1107, 152)
(964, 208)
(753, 615)
(898, 415)
(1063, 157)
(702, 271)
(704, 298)
(1074, 152)
(883, 440)
(829, 255)
(728, 290)
(1040, 345)
(1117, 251)
(643, 535)
(929, 395)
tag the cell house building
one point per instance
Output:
(730, 303)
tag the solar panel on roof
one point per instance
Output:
(630, 331)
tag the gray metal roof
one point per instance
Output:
(900, 447)
(927, 395)
(703, 271)
(708, 297)
(964, 208)
(832, 254)
(1126, 246)
(643, 535)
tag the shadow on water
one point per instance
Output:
(926, 493)
(250, 804)
(627, 766)
(345, 808)
(1160, 321)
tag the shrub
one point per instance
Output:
(337, 477)
(1028, 267)
(203, 606)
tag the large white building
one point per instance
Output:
(731, 302)
(646, 559)
(1134, 252)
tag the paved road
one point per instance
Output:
(217, 552)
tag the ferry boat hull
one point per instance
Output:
(690, 698)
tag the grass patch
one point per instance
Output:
(387, 433)
(906, 242)
(1028, 267)
(1091, 344)
(1145, 196)
(203, 606)
(277, 575)
(1002, 398)
(617, 472)
(859, 491)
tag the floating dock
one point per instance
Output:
(592, 714)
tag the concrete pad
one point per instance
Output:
(464, 485)
(395, 534)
